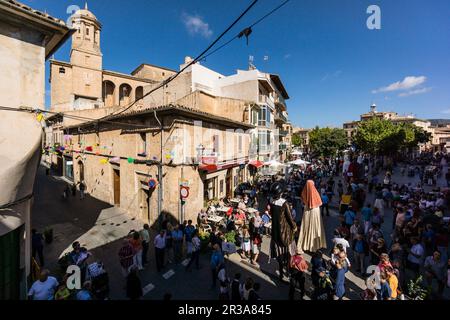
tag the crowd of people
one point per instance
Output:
(91, 282)
(390, 257)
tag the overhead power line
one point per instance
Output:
(166, 82)
(200, 57)
(246, 32)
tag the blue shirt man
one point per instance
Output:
(367, 213)
(349, 217)
(216, 261)
(325, 199)
(177, 235)
(188, 231)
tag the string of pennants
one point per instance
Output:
(89, 150)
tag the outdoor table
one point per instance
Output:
(215, 219)
(251, 210)
(223, 209)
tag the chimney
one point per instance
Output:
(187, 59)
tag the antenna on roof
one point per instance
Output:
(251, 66)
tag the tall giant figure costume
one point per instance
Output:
(312, 231)
(283, 228)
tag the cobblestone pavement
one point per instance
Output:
(100, 227)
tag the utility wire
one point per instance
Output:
(166, 82)
(202, 56)
(69, 116)
(239, 35)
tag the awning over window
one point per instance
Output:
(256, 163)
(208, 167)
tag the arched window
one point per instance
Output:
(108, 93)
(124, 94)
(139, 95)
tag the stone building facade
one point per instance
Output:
(83, 84)
(250, 101)
(118, 160)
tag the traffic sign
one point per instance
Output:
(184, 192)
(152, 183)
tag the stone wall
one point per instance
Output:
(99, 177)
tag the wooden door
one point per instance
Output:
(229, 183)
(116, 187)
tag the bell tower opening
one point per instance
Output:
(86, 51)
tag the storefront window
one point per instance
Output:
(68, 168)
(210, 190)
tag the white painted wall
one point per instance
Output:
(22, 83)
(22, 77)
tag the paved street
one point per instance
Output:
(99, 227)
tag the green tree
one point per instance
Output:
(383, 137)
(327, 142)
(296, 140)
(414, 135)
(373, 136)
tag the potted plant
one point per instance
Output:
(48, 235)
(230, 237)
(230, 242)
(416, 291)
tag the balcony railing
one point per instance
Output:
(279, 99)
(264, 99)
(280, 116)
(283, 133)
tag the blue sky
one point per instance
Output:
(332, 65)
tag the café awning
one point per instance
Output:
(256, 163)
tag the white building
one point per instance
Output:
(264, 91)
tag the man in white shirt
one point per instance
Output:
(415, 256)
(160, 245)
(338, 239)
(145, 235)
(259, 225)
(440, 201)
(44, 288)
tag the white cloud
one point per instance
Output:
(196, 25)
(406, 84)
(446, 111)
(335, 74)
(287, 55)
(416, 91)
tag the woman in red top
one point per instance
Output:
(239, 217)
(384, 262)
